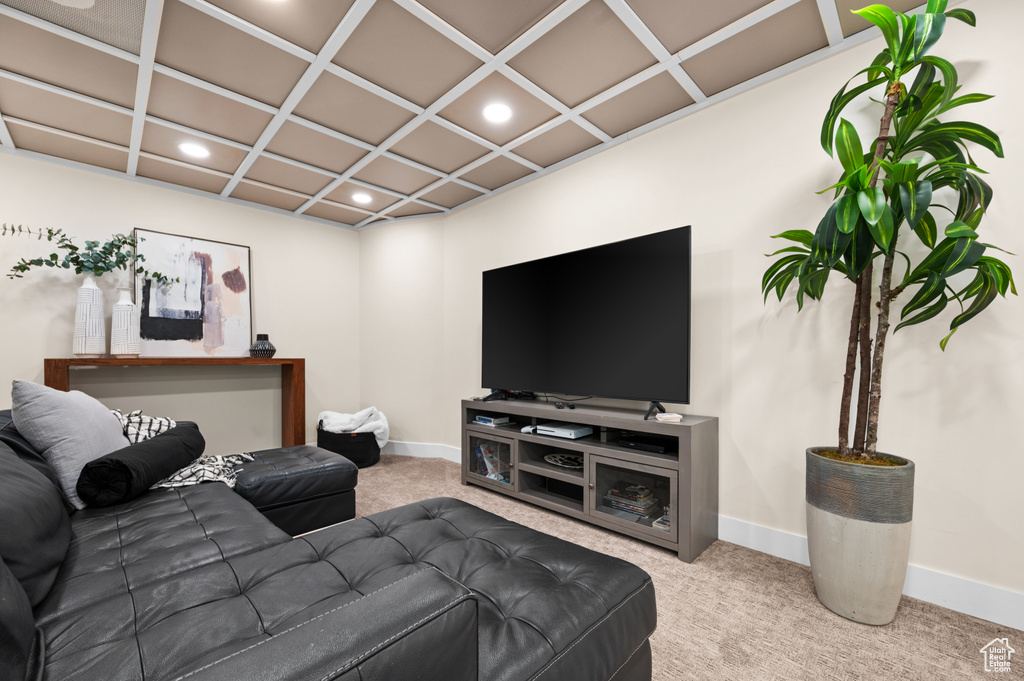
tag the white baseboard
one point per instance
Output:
(428, 450)
(991, 603)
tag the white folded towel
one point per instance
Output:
(669, 417)
(369, 420)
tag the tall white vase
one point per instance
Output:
(90, 338)
(124, 327)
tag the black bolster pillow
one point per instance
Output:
(127, 473)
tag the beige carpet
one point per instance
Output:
(733, 613)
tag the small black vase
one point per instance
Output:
(262, 348)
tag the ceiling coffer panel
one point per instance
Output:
(196, 43)
(50, 58)
(790, 34)
(54, 110)
(584, 55)
(337, 104)
(117, 23)
(163, 140)
(52, 142)
(528, 112)
(359, 112)
(361, 197)
(397, 51)
(298, 142)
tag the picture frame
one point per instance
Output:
(208, 311)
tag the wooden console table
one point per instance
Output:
(293, 381)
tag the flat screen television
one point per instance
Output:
(609, 321)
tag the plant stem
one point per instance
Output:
(865, 359)
(851, 369)
(882, 328)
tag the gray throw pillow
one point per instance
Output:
(69, 429)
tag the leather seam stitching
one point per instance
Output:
(612, 677)
(382, 644)
(589, 631)
(293, 628)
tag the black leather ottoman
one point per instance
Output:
(301, 488)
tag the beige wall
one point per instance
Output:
(305, 298)
(738, 172)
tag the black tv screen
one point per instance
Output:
(609, 321)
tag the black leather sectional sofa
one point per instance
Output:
(194, 583)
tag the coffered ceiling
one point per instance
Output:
(361, 111)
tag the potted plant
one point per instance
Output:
(94, 260)
(913, 196)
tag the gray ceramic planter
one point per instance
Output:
(858, 535)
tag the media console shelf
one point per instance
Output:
(681, 510)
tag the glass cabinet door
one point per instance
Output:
(637, 497)
(491, 460)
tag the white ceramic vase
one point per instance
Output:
(124, 327)
(90, 339)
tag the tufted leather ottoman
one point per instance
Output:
(301, 488)
(547, 609)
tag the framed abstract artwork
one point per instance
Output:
(207, 312)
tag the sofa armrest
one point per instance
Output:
(423, 626)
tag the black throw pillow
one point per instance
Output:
(127, 473)
(35, 530)
(20, 651)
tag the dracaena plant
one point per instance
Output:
(119, 253)
(915, 190)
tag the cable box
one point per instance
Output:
(645, 442)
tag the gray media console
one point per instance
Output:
(669, 499)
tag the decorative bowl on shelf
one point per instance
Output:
(562, 460)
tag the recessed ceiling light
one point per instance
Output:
(362, 197)
(497, 112)
(194, 150)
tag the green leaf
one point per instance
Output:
(949, 77)
(829, 243)
(1001, 272)
(839, 102)
(925, 314)
(905, 57)
(776, 267)
(915, 197)
(858, 253)
(962, 100)
(885, 19)
(982, 299)
(936, 6)
(965, 254)
(883, 230)
(872, 204)
(964, 15)
(927, 31)
(926, 230)
(802, 236)
(958, 229)
(847, 213)
(929, 291)
(849, 147)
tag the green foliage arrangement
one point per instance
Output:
(900, 186)
(117, 254)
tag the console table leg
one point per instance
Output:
(55, 374)
(293, 403)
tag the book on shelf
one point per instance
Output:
(646, 502)
(630, 491)
(649, 509)
(493, 420)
